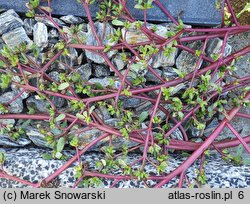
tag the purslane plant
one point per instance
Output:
(207, 93)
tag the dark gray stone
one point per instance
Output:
(243, 66)
(211, 127)
(241, 125)
(160, 114)
(85, 71)
(177, 134)
(5, 135)
(15, 106)
(85, 137)
(239, 41)
(29, 24)
(178, 87)
(144, 106)
(150, 77)
(37, 137)
(17, 89)
(70, 19)
(160, 60)
(186, 61)
(215, 45)
(81, 59)
(194, 132)
(134, 35)
(118, 62)
(70, 60)
(40, 35)
(168, 73)
(113, 122)
(2, 10)
(41, 58)
(197, 12)
(1, 43)
(105, 82)
(118, 142)
(55, 76)
(84, 27)
(40, 105)
(6, 123)
(9, 21)
(100, 71)
(130, 102)
(103, 113)
(137, 69)
(81, 35)
(44, 20)
(58, 101)
(5, 140)
(53, 33)
(16, 37)
(36, 131)
(91, 40)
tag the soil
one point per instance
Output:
(238, 5)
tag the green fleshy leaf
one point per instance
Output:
(60, 144)
(117, 22)
(63, 86)
(60, 117)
